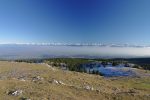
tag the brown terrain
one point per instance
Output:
(24, 81)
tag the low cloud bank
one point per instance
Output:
(45, 51)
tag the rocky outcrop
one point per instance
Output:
(15, 93)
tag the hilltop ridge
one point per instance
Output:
(43, 82)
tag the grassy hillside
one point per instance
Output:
(42, 82)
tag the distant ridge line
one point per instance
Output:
(80, 44)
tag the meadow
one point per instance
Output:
(43, 82)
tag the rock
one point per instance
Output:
(23, 80)
(89, 88)
(15, 93)
(116, 89)
(98, 91)
(147, 95)
(92, 88)
(57, 82)
(3, 77)
(60, 82)
(24, 98)
(133, 91)
(37, 78)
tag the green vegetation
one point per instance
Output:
(140, 62)
(73, 64)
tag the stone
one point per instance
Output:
(89, 88)
(37, 78)
(15, 93)
(55, 81)
(24, 98)
(23, 80)
(60, 82)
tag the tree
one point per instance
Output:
(114, 63)
(93, 72)
(97, 72)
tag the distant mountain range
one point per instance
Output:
(82, 44)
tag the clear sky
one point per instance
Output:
(105, 21)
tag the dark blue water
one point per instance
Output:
(111, 71)
(116, 71)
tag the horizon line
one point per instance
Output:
(80, 44)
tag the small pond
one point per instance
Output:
(116, 71)
(112, 71)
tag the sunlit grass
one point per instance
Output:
(74, 88)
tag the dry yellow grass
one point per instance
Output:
(14, 76)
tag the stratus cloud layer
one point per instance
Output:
(15, 51)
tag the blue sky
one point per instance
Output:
(105, 21)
